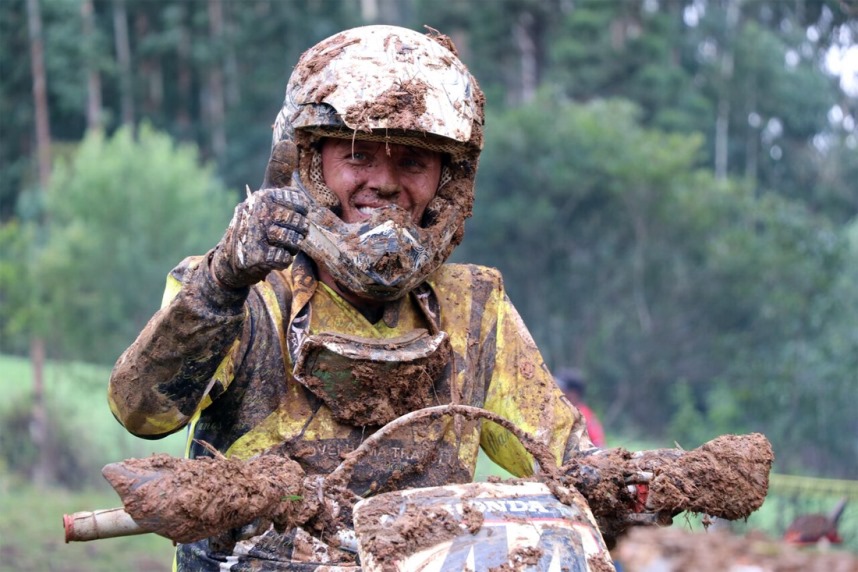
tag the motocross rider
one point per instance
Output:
(327, 308)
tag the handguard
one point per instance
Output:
(726, 477)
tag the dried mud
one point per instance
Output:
(415, 528)
(402, 104)
(365, 391)
(520, 560)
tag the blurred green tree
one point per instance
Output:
(628, 260)
(120, 214)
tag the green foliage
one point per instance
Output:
(18, 294)
(121, 213)
(627, 261)
(15, 118)
(82, 434)
(595, 181)
(695, 423)
(70, 450)
(261, 42)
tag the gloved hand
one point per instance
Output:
(266, 228)
(615, 484)
(644, 464)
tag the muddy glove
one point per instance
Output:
(726, 477)
(615, 484)
(266, 228)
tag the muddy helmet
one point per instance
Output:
(395, 85)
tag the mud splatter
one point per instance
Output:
(413, 529)
(519, 560)
(325, 51)
(442, 39)
(363, 390)
(401, 105)
(187, 500)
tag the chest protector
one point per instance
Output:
(370, 381)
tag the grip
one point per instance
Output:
(97, 524)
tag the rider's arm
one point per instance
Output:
(520, 388)
(187, 348)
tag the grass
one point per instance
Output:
(32, 536)
(31, 528)
(77, 394)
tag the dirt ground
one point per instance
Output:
(651, 549)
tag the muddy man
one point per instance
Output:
(328, 309)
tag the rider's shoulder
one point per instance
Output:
(472, 274)
(182, 268)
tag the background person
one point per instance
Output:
(574, 386)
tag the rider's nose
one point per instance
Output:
(386, 178)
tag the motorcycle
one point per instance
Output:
(555, 520)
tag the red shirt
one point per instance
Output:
(594, 426)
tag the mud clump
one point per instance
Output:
(727, 477)
(186, 500)
(402, 104)
(601, 479)
(191, 499)
(364, 390)
(413, 529)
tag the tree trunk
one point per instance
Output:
(230, 64)
(93, 77)
(44, 470)
(184, 76)
(123, 60)
(523, 32)
(40, 92)
(722, 123)
(215, 100)
(752, 142)
(149, 70)
(369, 10)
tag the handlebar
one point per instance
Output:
(97, 524)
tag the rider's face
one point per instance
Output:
(366, 175)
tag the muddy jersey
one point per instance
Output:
(222, 362)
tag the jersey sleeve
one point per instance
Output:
(522, 389)
(187, 349)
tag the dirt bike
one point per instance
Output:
(556, 520)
